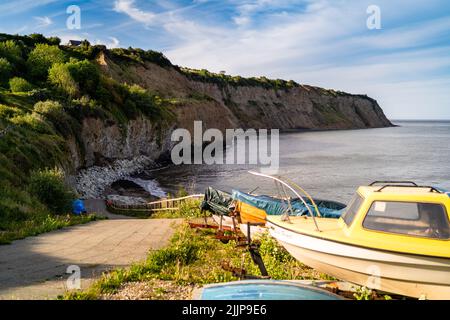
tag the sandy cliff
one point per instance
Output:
(218, 105)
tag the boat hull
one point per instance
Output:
(249, 213)
(404, 274)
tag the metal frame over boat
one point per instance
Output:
(254, 209)
(401, 261)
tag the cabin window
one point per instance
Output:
(352, 209)
(416, 219)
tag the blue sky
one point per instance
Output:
(405, 65)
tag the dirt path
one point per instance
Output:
(35, 268)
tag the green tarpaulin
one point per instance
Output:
(216, 201)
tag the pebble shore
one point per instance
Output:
(92, 182)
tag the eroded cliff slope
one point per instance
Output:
(221, 103)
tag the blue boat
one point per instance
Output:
(277, 206)
(263, 290)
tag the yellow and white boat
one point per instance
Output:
(394, 237)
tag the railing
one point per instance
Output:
(170, 204)
(284, 185)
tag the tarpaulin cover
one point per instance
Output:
(216, 201)
(275, 206)
(78, 207)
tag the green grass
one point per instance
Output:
(41, 224)
(224, 79)
(188, 209)
(194, 257)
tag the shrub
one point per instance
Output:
(54, 41)
(75, 77)
(38, 38)
(7, 112)
(5, 70)
(17, 84)
(85, 74)
(48, 107)
(42, 58)
(49, 187)
(54, 112)
(140, 99)
(59, 75)
(32, 121)
(11, 51)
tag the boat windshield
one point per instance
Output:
(352, 209)
(428, 220)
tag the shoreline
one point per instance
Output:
(92, 182)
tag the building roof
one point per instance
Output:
(74, 42)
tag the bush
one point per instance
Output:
(140, 99)
(48, 107)
(11, 51)
(75, 77)
(7, 112)
(32, 121)
(5, 70)
(54, 112)
(17, 84)
(85, 75)
(42, 58)
(59, 75)
(49, 187)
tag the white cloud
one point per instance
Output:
(113, 43)
(11, 7)
(326, 44)
(43, 22)
(128, 7)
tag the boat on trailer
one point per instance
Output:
(221, 204)
(393, 237)
(254, 209)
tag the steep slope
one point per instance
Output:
(221, 104)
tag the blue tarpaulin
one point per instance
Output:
(78, 207)
(276, 206)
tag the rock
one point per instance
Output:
(126, 200)
(91, 182)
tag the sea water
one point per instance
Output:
(332, 164)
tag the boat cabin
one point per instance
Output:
(402, 213)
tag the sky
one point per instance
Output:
(404, 64)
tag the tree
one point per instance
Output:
(49, 187)
(38, 38)
(85, 74)
(17, 84)
(11, 51)
(59, 75)
(5, 71)
(54, 41)
(42, 58)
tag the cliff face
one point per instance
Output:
(219, 106)
(230, 106)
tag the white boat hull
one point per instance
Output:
(404, 274)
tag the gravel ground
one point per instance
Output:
(152, 290)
